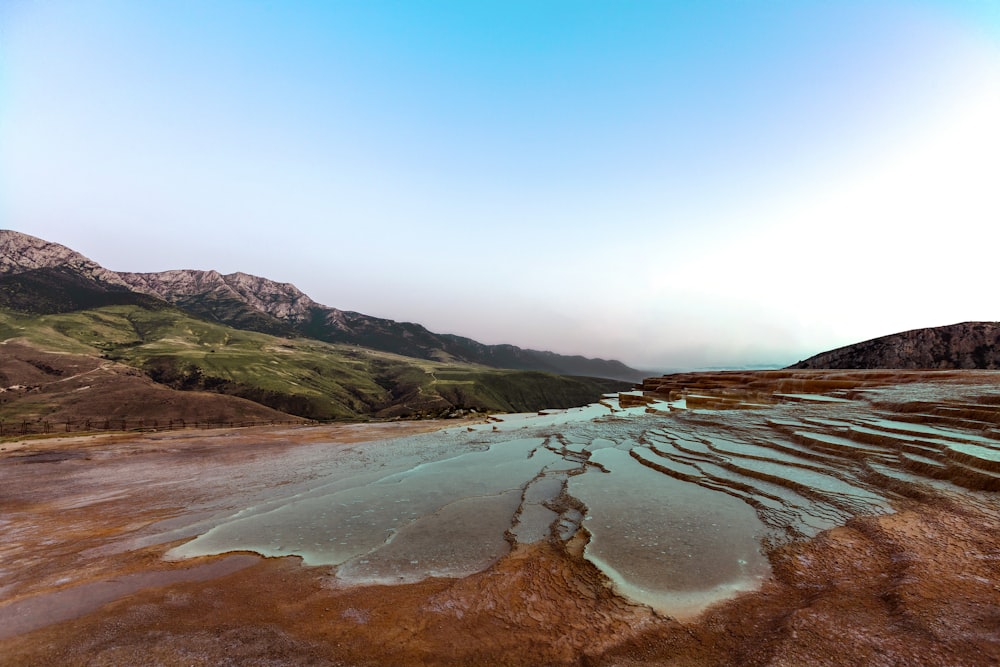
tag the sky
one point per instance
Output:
(671, 184)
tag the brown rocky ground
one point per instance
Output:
(82, 581)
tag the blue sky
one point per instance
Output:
(670, 184)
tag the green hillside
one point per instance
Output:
(299, 376)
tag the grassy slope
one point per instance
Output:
(299, 376)
(58, 387)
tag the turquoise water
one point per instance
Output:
(676, 506)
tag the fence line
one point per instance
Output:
(25, 427)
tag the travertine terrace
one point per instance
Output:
(869, 498)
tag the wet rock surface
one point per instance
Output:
(873, 495)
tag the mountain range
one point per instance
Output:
(239, 334)
(257, 304)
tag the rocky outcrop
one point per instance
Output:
(965, 345)
(281, 300)
(38, 277)
(21, 253)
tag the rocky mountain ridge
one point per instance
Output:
(281, 300)
(258, 304)
(20, 253)
(966, 345)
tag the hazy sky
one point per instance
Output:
(672, 184)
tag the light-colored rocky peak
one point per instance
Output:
(21, 252)
(182, 282)
(281, 300)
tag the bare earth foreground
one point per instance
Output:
(86, 523)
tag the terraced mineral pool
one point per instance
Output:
(675, 505)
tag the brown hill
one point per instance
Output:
(40, 386)
(965, 345)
